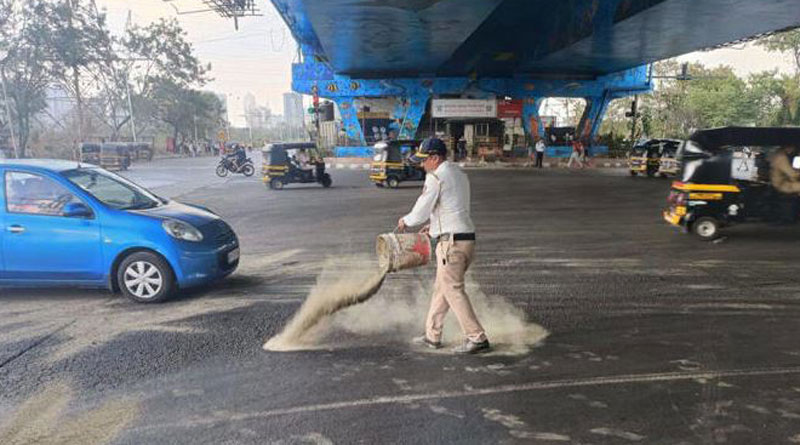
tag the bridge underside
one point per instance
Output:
(525, 49)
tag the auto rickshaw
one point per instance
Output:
(111, 156)
(280, 165)
(644, 157)
(725, 179)
(142, 150)
(390, 166)
(668, 165)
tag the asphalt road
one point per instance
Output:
(652, 336)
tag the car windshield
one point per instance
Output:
(112, 190)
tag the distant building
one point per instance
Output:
(293, 110)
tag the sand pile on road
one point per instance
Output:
(42, 419)
(397, 314)
(400, 313)
(335, 290)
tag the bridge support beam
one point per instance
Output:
(408, 113)
(593, 114)
(530, 117)
(350, 122)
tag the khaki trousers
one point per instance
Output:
(453, 258)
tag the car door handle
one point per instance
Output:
(16, 229)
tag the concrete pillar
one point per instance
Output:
(593, 116)
(530, 117)
(408, 113)
(350, 122)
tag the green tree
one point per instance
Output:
(79, 38)
(719, 98)
(160, 59)
(776, 98)
(788, 41)
(186, 111)
(29, 64)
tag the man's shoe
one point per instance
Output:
(470, 347)
(424, 341)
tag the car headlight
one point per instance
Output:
(181, 230)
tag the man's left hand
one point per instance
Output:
(401, 225)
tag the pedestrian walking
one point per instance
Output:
(445, 205)
(575, 156)
(539, 152)
(530, 151)
(461, 148)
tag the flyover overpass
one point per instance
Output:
(415, 50)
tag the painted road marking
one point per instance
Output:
(492, 390)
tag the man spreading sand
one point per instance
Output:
(445, 204)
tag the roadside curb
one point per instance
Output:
(364, 164)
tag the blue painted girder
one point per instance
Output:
(504, 38)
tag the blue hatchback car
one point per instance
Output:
(65, 223)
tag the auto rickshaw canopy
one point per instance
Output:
(396, 151)
(708, 155)
(277, 152)
(715, 140)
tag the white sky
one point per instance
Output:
(258, 57)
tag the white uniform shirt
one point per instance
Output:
(540, 146)
(446, 200)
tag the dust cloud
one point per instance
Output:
(398, 310)
(40, 420)
(336, 289)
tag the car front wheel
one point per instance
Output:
(145, 277)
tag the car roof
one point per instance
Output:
(44, 164)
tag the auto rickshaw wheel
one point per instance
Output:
(276, 184)
(326, 180)
(392, 182)
(706, 228)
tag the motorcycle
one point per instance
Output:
(227, 165)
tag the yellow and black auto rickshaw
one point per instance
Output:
(725, 179)
(390, 165)
(668, 165)
(111, 156)
(285, 163)
(644, 157)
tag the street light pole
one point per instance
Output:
(8, 114)
(130, 109)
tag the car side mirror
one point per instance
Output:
(796, 163)
(77, 210)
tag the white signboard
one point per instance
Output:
(464, 108)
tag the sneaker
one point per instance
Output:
(422, 340)
(470, 347)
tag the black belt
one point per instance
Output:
(458, 237)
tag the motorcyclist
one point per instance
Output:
(238, 157)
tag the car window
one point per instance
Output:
(35, 194)
(112, 190)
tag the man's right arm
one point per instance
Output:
(424, 205)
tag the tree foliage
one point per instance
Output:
(788, 41)
(713, 97)
(66, 46)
